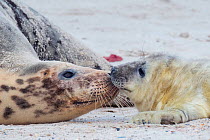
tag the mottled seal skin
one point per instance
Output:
(166, 89)
(48, 41)
(57, 92)
(35, 91)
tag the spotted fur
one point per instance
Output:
(42, 97)
(20, 81)
(8, 112)
(30, 89)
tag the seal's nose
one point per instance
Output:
(113, 70)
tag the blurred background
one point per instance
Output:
(128, 27)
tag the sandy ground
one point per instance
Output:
(125, 27)
(108, 124)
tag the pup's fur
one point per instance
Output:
(166, 89)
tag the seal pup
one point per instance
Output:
(166, 89)
(35, 91)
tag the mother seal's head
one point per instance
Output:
(52, 92)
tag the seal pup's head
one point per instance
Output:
(134, 77)
(52, 92)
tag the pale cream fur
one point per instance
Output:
(173, 90)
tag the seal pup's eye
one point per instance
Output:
(67, 74)
(141, 72)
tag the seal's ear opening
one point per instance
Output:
(67, 74)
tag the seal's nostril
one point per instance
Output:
(113, 70)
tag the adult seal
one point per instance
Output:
(166, 89)
(51, 43)
(35, 91)
(48, 41)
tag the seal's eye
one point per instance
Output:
(141, 72)
(67, 74)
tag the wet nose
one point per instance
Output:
(113, 70)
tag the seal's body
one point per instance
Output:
(47, 40)
(35, 91)
(166, 89)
